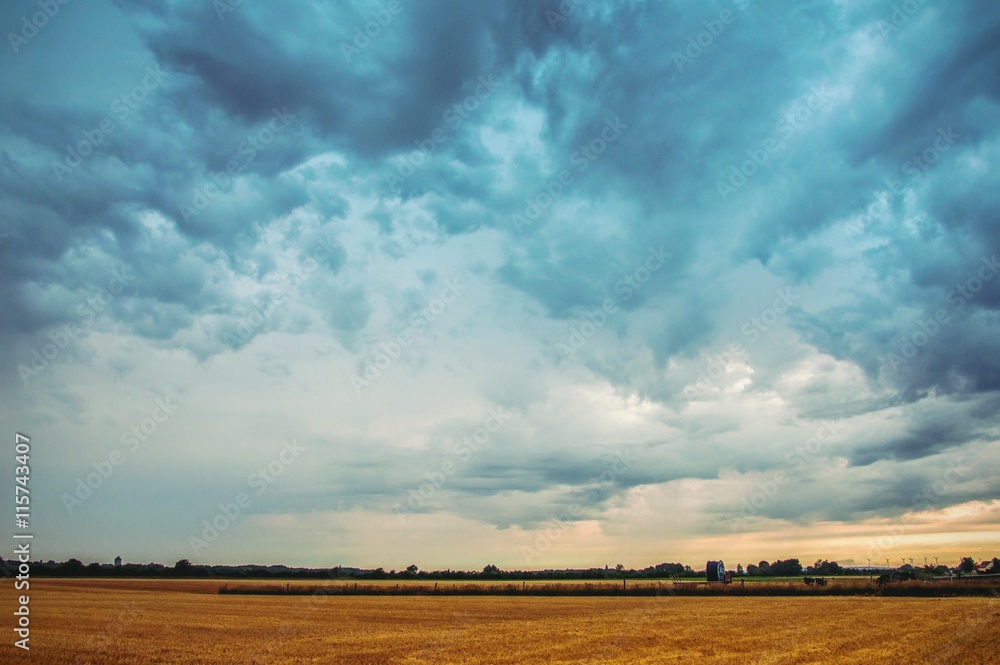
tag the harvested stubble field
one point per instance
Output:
(168, 621)
(841, 586)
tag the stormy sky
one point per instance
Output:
(524, 282)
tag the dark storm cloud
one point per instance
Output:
(958, 72)
(926, 439)
(224, 78)
(944, 113)
(378, 99)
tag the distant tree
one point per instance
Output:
(753, 570)
(785, 568)
(72, 567)
(825, 567)
(780, 568)
(739, 569)
(665, 569)
(620, 568)
(411, 570)
(967, 565)
(491, 572)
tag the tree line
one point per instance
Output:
(184, 568)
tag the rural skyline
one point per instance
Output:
(540, 285)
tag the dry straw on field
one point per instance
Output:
(165, 621)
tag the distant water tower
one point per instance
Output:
(118, 562)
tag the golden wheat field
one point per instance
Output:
(167, 621)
